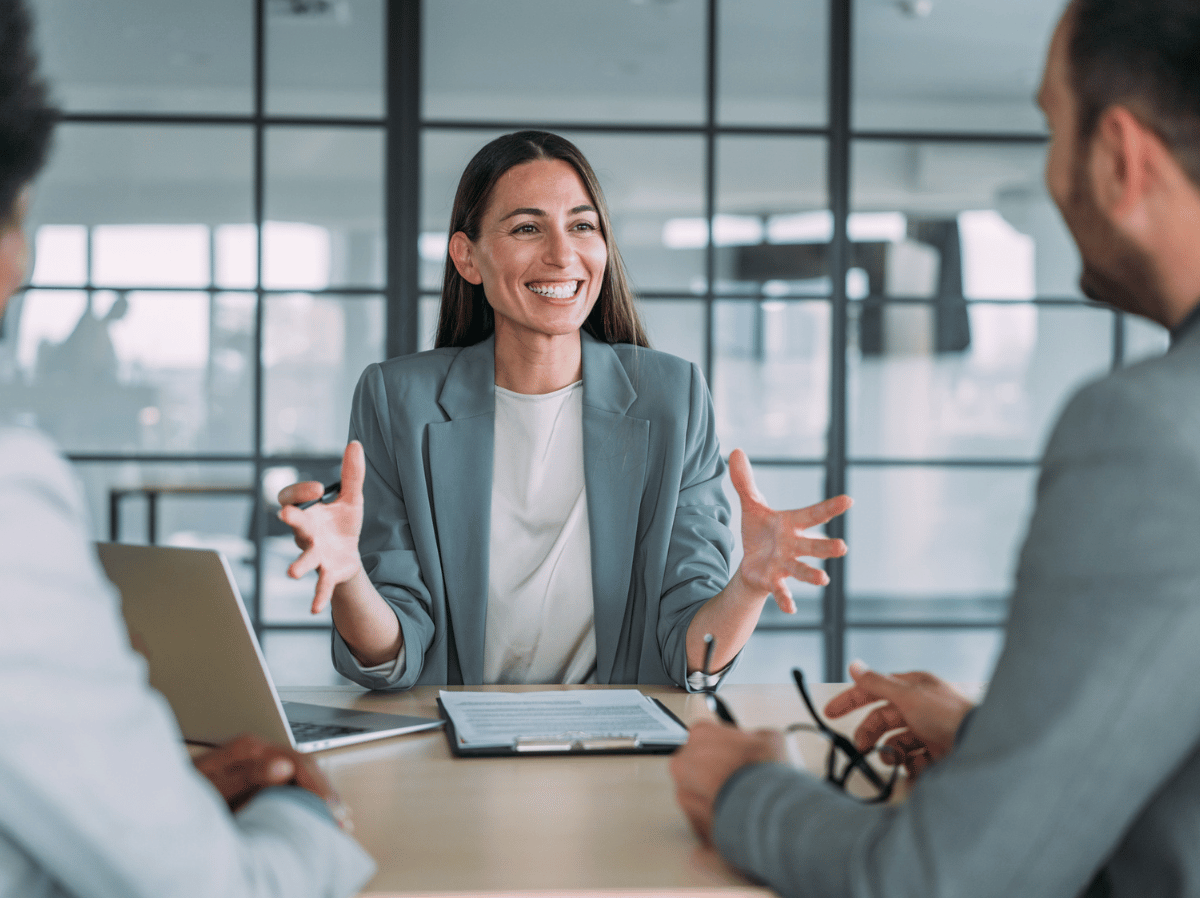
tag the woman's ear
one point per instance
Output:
(462, 254)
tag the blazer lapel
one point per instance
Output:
(615, 448)
(460, 471)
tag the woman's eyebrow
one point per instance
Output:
(529, 210)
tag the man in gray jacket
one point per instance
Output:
(98, 796)
(1079, 773)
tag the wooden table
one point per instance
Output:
(572, 826)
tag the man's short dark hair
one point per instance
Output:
(1144, 55)
(26, 116)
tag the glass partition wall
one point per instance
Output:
(835, 208)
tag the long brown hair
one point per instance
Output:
(465, 318)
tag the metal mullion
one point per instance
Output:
(258, 515)
(769, 462)
(215, 119)
(710, 187)
(1014, 137)
(403, 177)
(294, 626)
(951, 462)
(833, 598)
(163, 458)
(923, 624)
(697, 130)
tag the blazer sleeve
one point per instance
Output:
(1089, 726)
(386, 541)
(100, 797)
(697, 561)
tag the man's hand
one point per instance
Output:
(712, 753)
(927, 709)
(242, 768)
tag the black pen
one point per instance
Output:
(329, 495)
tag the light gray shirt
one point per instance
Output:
(98, 797)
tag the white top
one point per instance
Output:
(540, 615)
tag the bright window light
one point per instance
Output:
(685, 233)
(728, 230)
(800, 227)
(876, 227)
(737, 230)
(150, 255)
(162, 331)
(296, 256)
(432, 246)
(237, 256)
(60, 256)
(997, 259)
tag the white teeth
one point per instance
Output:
(557, 291)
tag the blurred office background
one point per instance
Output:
(834, 207)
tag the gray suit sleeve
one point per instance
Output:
(386, 542)
(697, 562)
(1083, 724)
(100, 797)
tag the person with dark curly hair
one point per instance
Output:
(99, 796)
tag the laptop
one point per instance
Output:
(186, 616)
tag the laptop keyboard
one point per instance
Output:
(313, 732)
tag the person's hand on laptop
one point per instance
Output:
(243, 767)
(926, 710)
(327, 532)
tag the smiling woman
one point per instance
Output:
(544, 457)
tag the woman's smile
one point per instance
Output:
(555, 289)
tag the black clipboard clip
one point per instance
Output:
(568, 742)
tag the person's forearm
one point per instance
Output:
(730, 616)
(366, 622)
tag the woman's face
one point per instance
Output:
(540, 255)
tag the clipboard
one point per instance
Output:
(568, 743)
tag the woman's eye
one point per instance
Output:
(524, 229)
(586, 226)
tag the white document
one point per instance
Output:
(575, 719)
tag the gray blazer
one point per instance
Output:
(1080, 771)
(657, 513)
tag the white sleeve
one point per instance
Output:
(100, 796)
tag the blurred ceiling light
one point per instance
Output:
(876, 227)
(800, 227)
(728, 230)
(737, 230)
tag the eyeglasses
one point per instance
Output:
(846, 767)
(711, 698)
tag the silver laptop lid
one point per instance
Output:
(185, 615)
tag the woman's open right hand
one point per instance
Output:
(327, 533)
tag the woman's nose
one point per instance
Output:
(557, 250)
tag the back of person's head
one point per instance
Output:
(1144, 55)
(465, 318)
(26, 116)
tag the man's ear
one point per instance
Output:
(462, 254)
(1125, 159)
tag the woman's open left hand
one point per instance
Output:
(773, 542)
